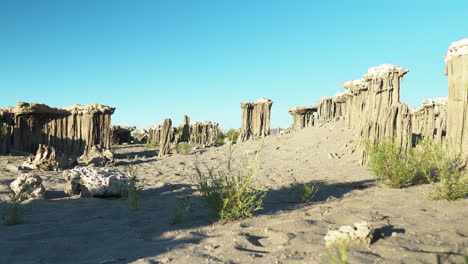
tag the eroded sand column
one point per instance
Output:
(303, 116)
(166, 138)
(256, 119)
(456, 69)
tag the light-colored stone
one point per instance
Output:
(98, 157)
(48, 159)
(28, 185)
(98, 182)
(360, 234)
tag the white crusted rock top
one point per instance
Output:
(432, 103)
(90, 181)
(302, 109)
(383, 71)
(355, 86)
(341, 96)
(23, 108)
(457, 48)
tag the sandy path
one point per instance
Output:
(72, 230)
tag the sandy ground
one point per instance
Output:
(66, 229)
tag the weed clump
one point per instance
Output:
(427, 162)
(152, 144)
(305, 191)
(182, 213)
(392, 165)
(133, 191)
(442, 170)
(13, 211)
(183, 148)
(232, 193)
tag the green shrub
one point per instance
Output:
(306, 191)
(133, 191)
(3, 130)
(182, 213)
(13, 211)
(392, 165)
(153, 144)
(340, 256)
(232, 193)
(220, 138)
(442, 170)
(233, 135)
(183, 148)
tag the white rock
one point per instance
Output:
(359, 234)
(28, 185)
(91, 181)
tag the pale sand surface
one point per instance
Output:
(91, 230)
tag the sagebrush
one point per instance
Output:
(232, 193)
(133, 190)
(443, 170)
(305, 191)
(12, 210)
(183, 148)
(427, 162)
(393, 165)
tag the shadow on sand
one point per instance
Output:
(107, 226)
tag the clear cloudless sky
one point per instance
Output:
(157, 59)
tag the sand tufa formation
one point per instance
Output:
(303, 116)
(456, 69)
(71, 131)
(256, 118)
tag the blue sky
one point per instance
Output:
(157, 59)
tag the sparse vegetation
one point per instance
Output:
(220, 138)
(233, 135)
(340, 256)
(133, 191)
(183, 148)
(392, 165)
(427, 162)
(442, 170)
(182, 213)
(3, 130)
(305, 191)
(152, 144)
(232, 193)
(12, 210)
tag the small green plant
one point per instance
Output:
(12, 210)
(233, 135)
(3, 130)
(306, 191)
(132, 191)
(341, 254)
(442, 170)
(231, 194)
(182, 213)
(152, 144)
(113, 147)
(220, 138)
(392, 165)
(183, 148)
